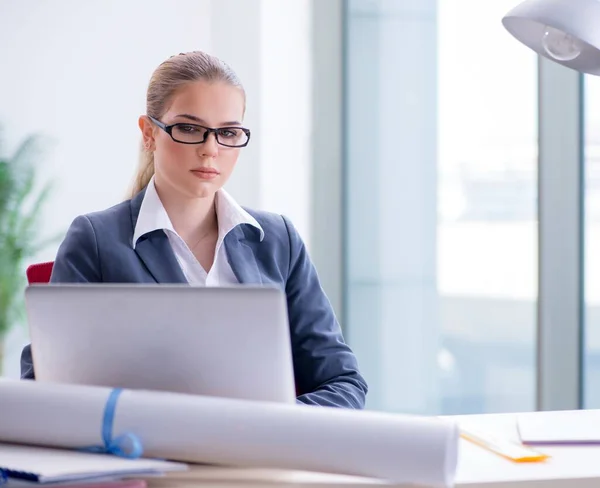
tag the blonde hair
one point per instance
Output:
(166, 80)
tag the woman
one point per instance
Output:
(181, 226)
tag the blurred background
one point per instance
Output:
(400, 136)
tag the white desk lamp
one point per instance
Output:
(565, 31)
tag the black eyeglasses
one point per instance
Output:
(186, 133)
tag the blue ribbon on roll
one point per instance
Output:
(127, 445)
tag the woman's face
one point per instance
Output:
(196, 170)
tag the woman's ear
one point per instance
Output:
(147, 128)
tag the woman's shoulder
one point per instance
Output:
(115, 218)
(264, 218)
(274, 224)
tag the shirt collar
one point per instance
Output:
(153, 215)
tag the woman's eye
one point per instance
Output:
(187, 128)
(229, 133)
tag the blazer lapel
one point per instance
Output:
(155, 251)
(241, 257)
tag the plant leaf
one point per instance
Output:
(21, 209)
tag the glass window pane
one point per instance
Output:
(592, 242)
(441, 193)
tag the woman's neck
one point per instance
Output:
(193, 218)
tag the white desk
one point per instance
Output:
(569, 467)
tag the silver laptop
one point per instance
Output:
(229, 342)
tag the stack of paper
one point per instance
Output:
(560, 427)
(397, 448)
(130, 483)
(224, 477)
(51, 465)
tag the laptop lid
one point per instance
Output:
(228, 341)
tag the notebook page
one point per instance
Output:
(560, 427)
(95, 483)
(53, 465)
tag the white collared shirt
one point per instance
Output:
(153, 216)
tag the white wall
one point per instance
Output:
(268, 42)
(77, 72)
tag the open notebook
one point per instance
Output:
(48, 465)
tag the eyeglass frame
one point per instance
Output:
(169, 129)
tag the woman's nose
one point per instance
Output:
(210, 147)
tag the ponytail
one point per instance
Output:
(144, 172)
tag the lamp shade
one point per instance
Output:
(565, 31)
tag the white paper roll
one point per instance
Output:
(397, 448)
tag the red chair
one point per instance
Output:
(39, 272)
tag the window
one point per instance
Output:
(592, 242)
(440, 206)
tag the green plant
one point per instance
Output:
(21, 203)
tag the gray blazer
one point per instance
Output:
(98, 248)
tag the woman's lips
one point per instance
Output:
(205, 173)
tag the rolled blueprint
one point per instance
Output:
(397, 448)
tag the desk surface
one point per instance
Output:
(568, 467)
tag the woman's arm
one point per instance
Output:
(325, 367)
(76, 262)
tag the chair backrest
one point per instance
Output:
(39, 272)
